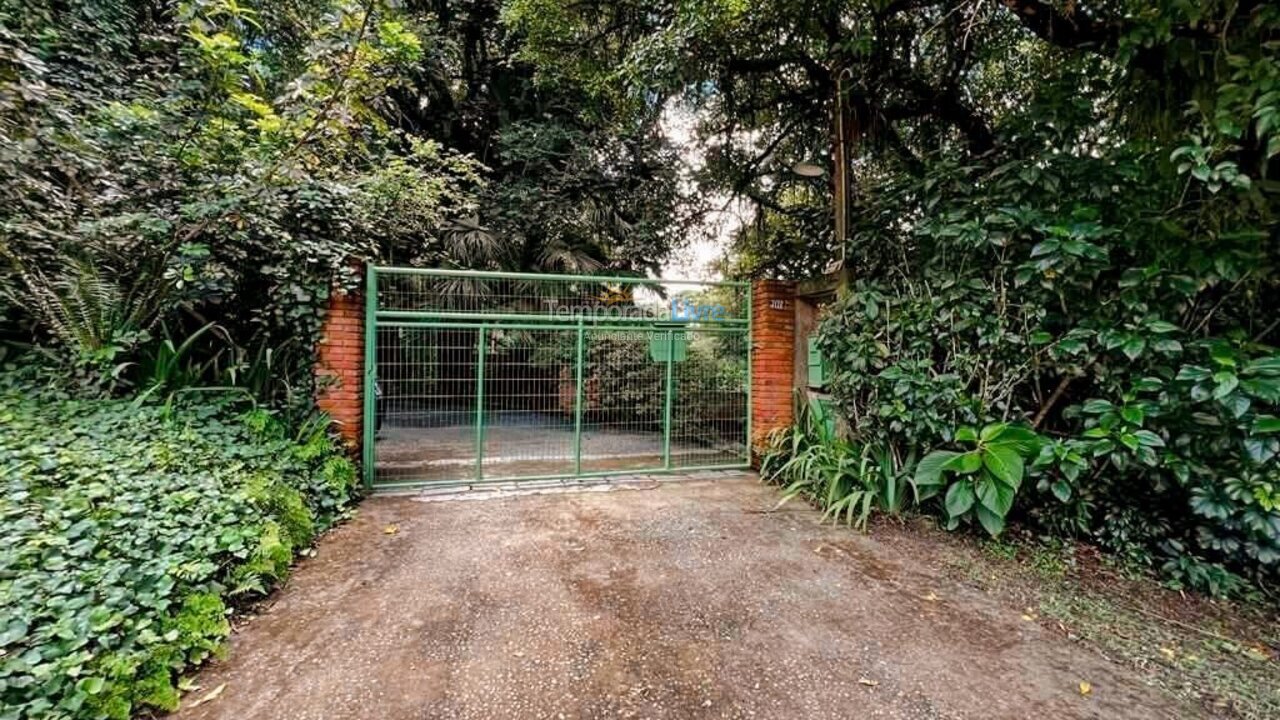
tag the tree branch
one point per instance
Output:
(1053, 400)
(1072, 28)
(944, 105)
(817, 74)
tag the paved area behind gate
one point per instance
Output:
(534, 447)
(660, 600)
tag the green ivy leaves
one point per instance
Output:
(123, 528)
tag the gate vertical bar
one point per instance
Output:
(481, 339)
(751, 301)
(369, 426)
(666, 403)
(577, 397)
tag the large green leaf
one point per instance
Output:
(1025, 440)
(1133, 347)
(1005, 464)
(929, 469)
(1148, 438)
(1263, 388)
(1227, 382)
(1266, 365)
(995, 495)
(992, 523)
(1193, 373)
(1061, 490)
(992, 431)
(960, 498)
(1097, 406)
(965, 463)
(1266, 424)
(1222, 353)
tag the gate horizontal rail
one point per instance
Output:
(545, 277)
(524, 325)
(411, 315)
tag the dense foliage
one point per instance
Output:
(125, 530)
(1106, 279)
(227, 162)
(1061, 214)
(202, 161)
(815, 459)
(1062, 242)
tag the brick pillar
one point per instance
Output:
(339, 363)
(773, 333)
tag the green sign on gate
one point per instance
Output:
(664, 346)
(480, 377)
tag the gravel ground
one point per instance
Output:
(654, 600)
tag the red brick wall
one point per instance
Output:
(340, 359)
(773, 328)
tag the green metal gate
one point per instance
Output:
(480, 377)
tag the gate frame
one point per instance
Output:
(374, 318)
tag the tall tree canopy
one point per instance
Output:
(924, 81)
(218, 160)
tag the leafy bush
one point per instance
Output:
(987, 475)
(623, 384)
(710, 390)
(128, 527)
(1048, 296)
(812, 459)
(204, 162)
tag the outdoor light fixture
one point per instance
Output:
(807, 169)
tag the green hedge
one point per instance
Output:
(1160, 446)
(126, 530)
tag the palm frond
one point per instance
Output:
(87, 306)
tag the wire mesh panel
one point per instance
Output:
(709, 405)
(529, 396)
(493, 377)
(466, 295)
(425, 403)
(624, 389)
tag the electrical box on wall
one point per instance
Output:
(817, 371)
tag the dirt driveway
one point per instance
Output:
(679, 600)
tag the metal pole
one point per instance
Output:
(369, 424)
(666, 406)
(751, 301)
(577, 399)
(481, 337)
(842, 181)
